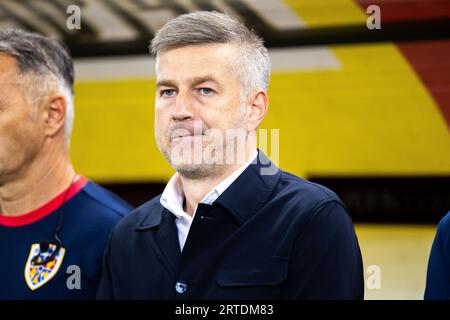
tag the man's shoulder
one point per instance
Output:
(313, 211)
(302, 201)
(104, 202)
(92, 214)
(444, 228)
(304, 191)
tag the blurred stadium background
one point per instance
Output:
(364, 112)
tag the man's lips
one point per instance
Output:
(190, 129)
(184, 133)
(177, 138)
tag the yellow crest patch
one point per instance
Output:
(36, 275)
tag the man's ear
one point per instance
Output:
(257, 106)
(55, 109)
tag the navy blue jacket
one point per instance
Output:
(438, 274)
(88, 219)
(266, 237)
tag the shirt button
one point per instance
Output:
(181, 287)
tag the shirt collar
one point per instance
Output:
(172, 197)
(243, 198)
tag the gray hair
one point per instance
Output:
(202, 27)
(45, 58)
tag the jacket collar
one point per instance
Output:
(251, 190)
(151, 216)
(243, 198)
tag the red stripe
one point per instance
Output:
(46, 209)
(409, 10)
(431, 61)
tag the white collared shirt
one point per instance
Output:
(172, 199)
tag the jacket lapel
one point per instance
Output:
(166, 237)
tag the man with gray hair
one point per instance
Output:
(229, 224)
(54, 224)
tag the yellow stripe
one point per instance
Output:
(113, 133)
(325, 13)
(403, 266)
(372, 117)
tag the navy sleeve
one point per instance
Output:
(327, 262)
(437, 287)
(105, 289)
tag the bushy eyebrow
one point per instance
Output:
(198, 80)
(165, 83)
(194, 81)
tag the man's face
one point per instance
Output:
(20, 137)
(198, 101)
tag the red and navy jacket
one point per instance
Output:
(89, 213)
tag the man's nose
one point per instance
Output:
(183, 108)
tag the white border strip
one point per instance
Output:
(142, 66)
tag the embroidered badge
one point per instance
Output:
(36, 275)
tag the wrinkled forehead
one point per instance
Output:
(8, 64)
(197, 60)
(9, 77)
